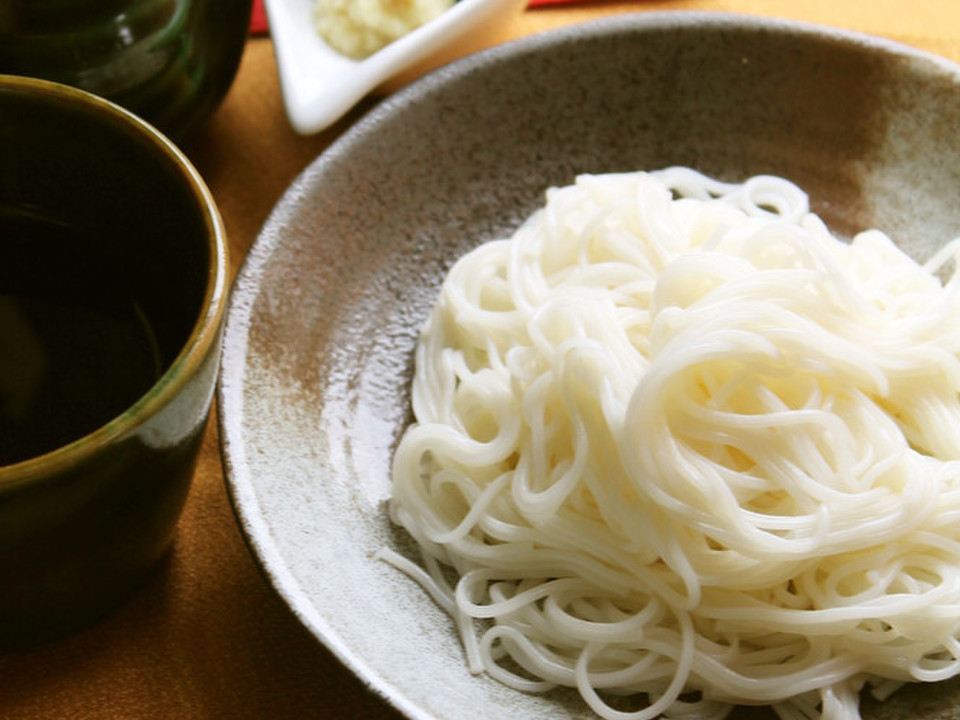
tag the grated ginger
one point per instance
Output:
(358, 28)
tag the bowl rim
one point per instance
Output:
(206, 329)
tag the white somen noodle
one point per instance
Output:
(681, 448)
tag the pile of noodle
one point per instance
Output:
(681, 448)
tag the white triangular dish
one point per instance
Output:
(320, 85)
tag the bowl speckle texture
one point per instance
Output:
(326, 310)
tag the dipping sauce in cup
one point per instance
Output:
(113, 282)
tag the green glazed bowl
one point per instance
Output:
(83, 524)
(169, 61)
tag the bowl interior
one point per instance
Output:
(125, 199)
(314, 384)
(108, 230)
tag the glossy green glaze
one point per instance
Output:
(169, 61)
(82, 525)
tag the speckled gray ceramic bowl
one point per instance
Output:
(325, 312)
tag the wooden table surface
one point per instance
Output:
(207, 638)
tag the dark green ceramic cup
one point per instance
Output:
(113, 282)
(169, 61)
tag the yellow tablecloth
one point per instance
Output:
(207, 638)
